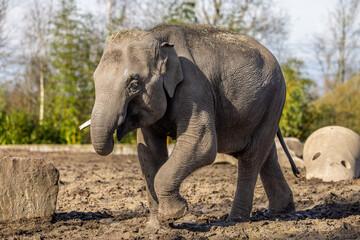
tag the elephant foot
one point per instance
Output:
(155, 226)
(283, 208)
(238, 215)
(153, 223)
(237, 218)
(171, 209)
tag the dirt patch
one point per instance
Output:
(105, 198)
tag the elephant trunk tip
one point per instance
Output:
(104, 150)
(102, 141)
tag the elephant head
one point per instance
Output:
(135, 76)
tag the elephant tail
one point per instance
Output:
(282, 142)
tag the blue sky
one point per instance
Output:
(307, 17)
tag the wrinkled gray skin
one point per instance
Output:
(211, 90)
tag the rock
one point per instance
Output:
(28, 189)
(295, 147)
(284, 161)
(332, 154)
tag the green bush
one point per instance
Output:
(297, 110)
(340, 107)
(16, 128)
(45, 134)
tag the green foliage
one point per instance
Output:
(15, 128)
(2, 99)
(129, 138)
(340, 107)
(180, 12)
(19, 127)
(75, 50)
(297, 111)
(70, 91)
(45, 134)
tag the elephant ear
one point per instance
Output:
(170, 68)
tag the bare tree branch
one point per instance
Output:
(37, 35)
(256, 18)
(217, 6)
(3, 10)
(207, 17)
(338, 48)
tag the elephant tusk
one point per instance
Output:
(85, 125)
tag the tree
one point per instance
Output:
(37, 35)
(297, 112)
(3, 53)
(115, 14)
(3, 37)
(180, 12)
(255, 18)
(3, 9)
(73, 56)
(338, 48)
(3, 102)
(339, 107)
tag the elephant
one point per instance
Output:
(209, 89)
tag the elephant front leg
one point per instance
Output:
(152, 153)
(195, 148)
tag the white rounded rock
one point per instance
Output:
(332, 154)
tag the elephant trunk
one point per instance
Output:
(102, 128)
(101, 135)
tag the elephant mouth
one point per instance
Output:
(122, 130)
(120, 133)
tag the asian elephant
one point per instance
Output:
(210, 89)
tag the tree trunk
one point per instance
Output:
(42, 98)
(108, 17)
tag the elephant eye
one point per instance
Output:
(134, 86)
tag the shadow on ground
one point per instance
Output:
(322, 211)
(120, 215)
(84, 216)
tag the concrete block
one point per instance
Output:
(332, 154)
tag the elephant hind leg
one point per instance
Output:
(257, 157)
(249, 165)
(277, 190)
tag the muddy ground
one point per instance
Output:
(105, 198)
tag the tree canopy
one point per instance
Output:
(297, 111)
(340, 107)
(51, 91)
